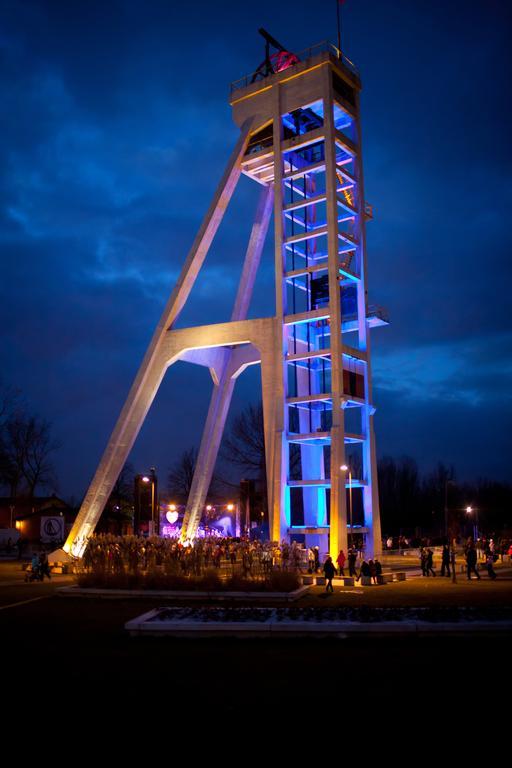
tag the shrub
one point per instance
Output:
(157, 579)
(284, 581)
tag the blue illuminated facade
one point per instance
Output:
(311, 152)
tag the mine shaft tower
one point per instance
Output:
(300, 139)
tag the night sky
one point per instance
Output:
(115, 130)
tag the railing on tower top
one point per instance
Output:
(307, 53)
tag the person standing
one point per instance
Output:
(489, 563)
(329, 571)
(285, 555)
(352, 557)
(33, 575)
(423, 561)
(364, 571)
(341, 562)
(317, 559)
(453, 554)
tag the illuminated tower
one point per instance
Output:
(300, 139)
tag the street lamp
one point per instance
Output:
(469, 511)
(344, 468)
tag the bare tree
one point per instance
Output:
(123, 488)
(26, 446)
(181, 474)
(39, 469)
(244, 445)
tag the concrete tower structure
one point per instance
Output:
(300, 139)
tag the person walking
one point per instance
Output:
(445, 560)
(341, 562)
(429, 564)
(471, 559)
(329, 571)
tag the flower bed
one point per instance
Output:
(307, 621)
(360, 614)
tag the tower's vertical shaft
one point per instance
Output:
(318, 417)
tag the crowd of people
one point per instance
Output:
(230, 555)
(484, 551)
(117, 554)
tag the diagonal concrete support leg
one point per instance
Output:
(153, 367)
(223, 391)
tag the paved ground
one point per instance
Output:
(78, 648)
(420, 591)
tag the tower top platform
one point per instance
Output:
(315, 55)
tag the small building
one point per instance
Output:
(42, 519)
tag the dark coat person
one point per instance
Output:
(352, 557)
(471, 558)
(329, 571)
(445, 561)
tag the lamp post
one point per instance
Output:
(344, 468)
(469, 511)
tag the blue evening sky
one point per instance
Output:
(115, 130)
